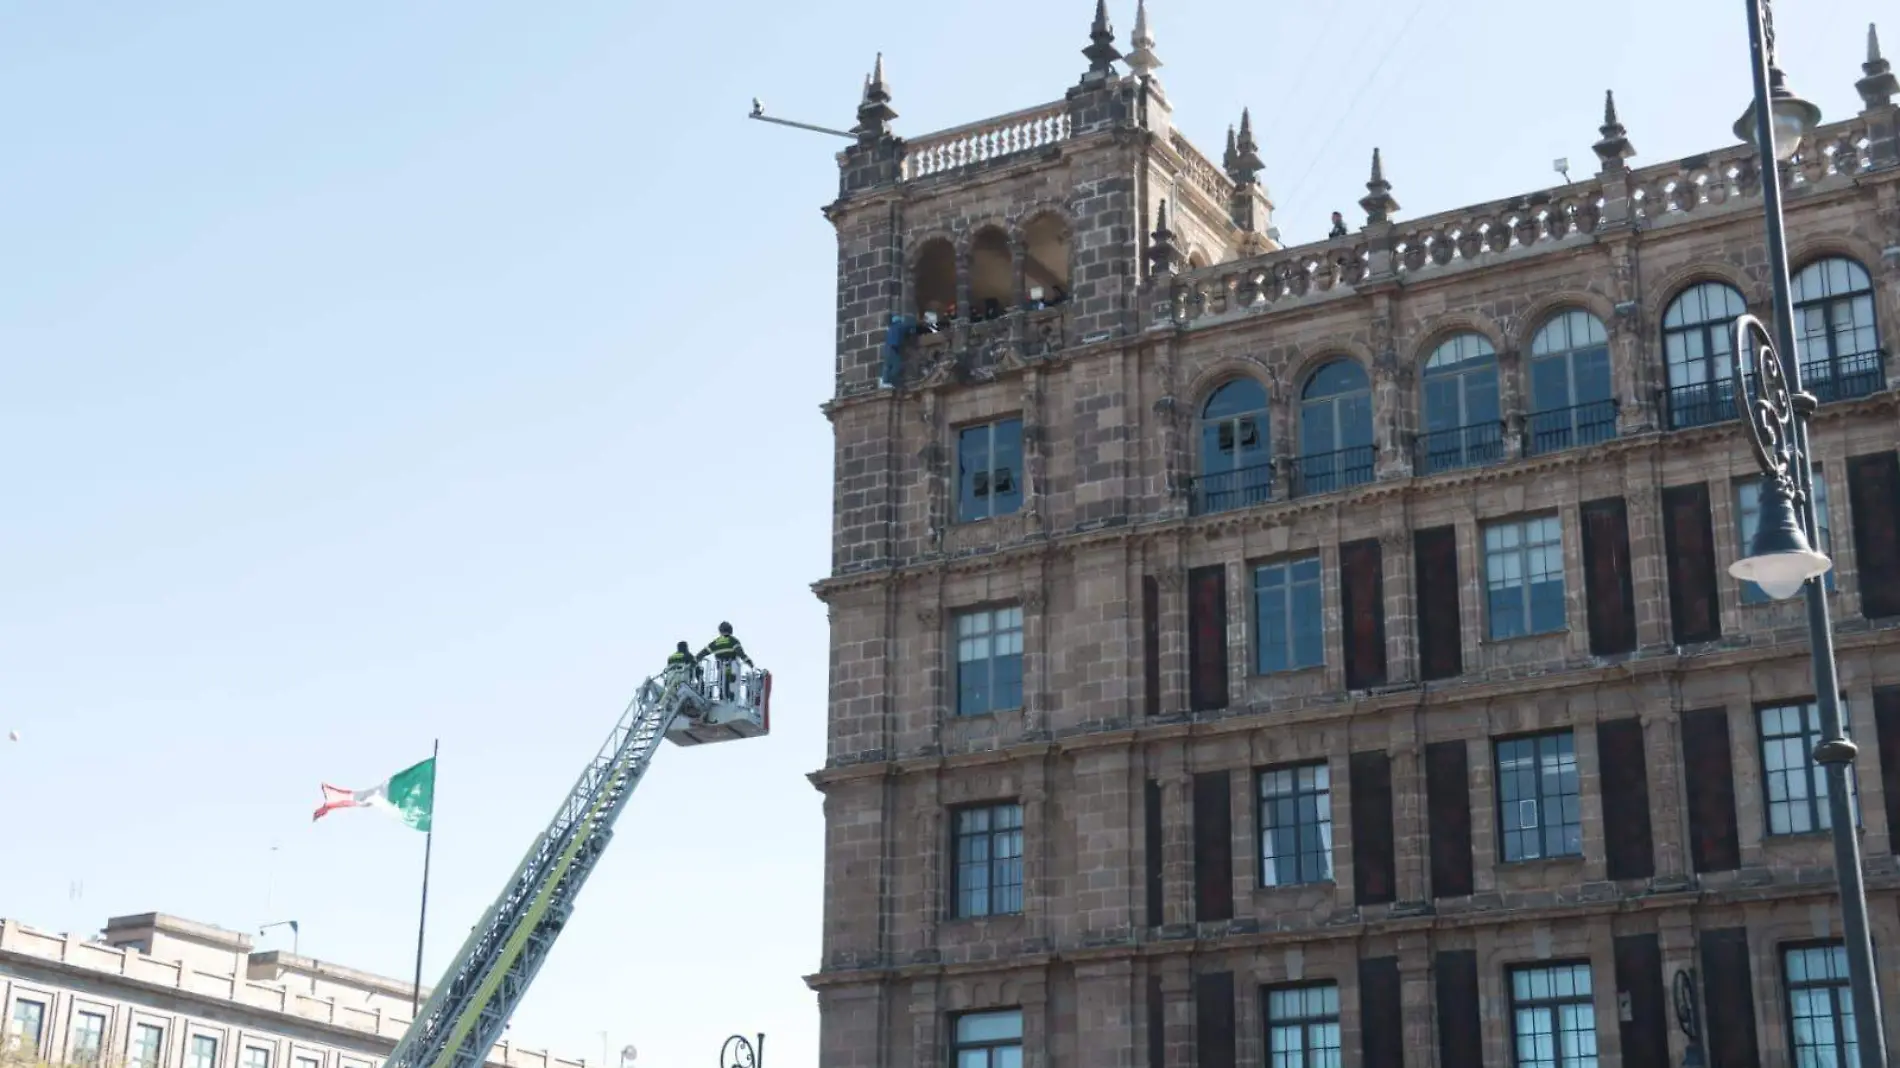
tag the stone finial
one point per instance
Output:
(1164, 255)
(1247, 165)
(1877, 89)
(874, 111)
(1378, 200)
(1101, 51)
(1614, 146)
(1142, 61)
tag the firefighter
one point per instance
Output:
(683, 658)
(724, 650)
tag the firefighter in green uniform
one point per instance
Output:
(683, 657)
(724, 650)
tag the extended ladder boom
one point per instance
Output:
(465, 1015)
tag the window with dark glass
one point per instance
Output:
(1820, 1006)
(989, 470)
(989, 660)
(1296, 825)
(1462, 427)
(1524, 576)
(1571, 391)
(1303, 1026)
(256, 1057)
(148, 1042)
(1794, 786)
(1234, 448)
(28, 1023)
(991, 1039)
(1540, 805)
(89, 1036)
(1697, 340)
(1748, 519)
(1335, 428)
(204, 1052)
(1553, 1019)
(987, 879)
(1837, 333)
(1289, 622)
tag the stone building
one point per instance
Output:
(159, 991)
(1251, 655)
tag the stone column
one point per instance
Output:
(1177, 840)
(1037, 846)
(1104, 840)
(927, 1041)
(1105, 1016)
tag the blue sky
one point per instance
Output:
(374, 373)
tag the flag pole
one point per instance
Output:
(422, 922)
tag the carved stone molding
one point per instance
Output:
(930, 616)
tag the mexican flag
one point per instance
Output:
(408, 795)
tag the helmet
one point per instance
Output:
(684, 648)
(725, 628)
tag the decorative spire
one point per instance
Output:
(1378, 200)
(1247, 165)
(1228, 157)
(1879, 86)
(1101, 51)
(1142, 61)
(1614, 147)
(874, 111)
(1163, 254)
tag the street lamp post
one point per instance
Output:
(1784, 556)
(742, 1052)
(1689, 1018)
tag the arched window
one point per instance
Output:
(1234, 448)
(992, 275)
(1462, 427)
(1335, 428)
(1572, 400)
(934, 284)
(1698, 336)
(1835, 330)
(1046, 261)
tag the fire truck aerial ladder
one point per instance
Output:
(475, 998)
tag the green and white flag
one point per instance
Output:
(408, 795)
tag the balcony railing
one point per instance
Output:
(1570, 428)
(1327, 472)
(1701, 403)
(1859, 375)
(1224, 491)
(1465, 446)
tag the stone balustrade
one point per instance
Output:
(991, 139)
(1200, 170)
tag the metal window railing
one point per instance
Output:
(1861, 374)
(1574, 427)
(1465, 446)
(1224, 491)
(1329, 472)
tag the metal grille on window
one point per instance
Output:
(989, 661)
(1820, 1007)
(1296, 825)
(989, 861)
(1303, 1027)
(1553, 1020)
(1540, 810)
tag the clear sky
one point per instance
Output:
(373, 373)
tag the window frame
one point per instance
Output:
(75, 1053)
(1011, 612)
(1552, 1006)
(1340, 475)
(1233, 484)
(968, 481)
(1545, 351)
(1815, 777)
(133, 1048)
(1292, 587)
(1308, 1055)
(194, 1043)
(1264, 828)
(1841, 995)
(990, 1047)
(1829, 305)
(1717, 348)
(995, 890)
(1542, 801)
(1522, 551)
(245, 1059)
(1461, 371)
(15, 1030)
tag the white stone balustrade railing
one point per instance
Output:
(1006, 135)
(1201, 171)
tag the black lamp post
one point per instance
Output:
(1689, 1018)
(742, 1052)
(1783, 558)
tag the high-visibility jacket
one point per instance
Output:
(679, 659)
(725, 648)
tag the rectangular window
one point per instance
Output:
(1303, 1026)
(1708, 771)
(256, 1057)
(89, 1036)
(1207, 638)
(1748, 519)
(1553, 1020)
(1540, 808)
(1448, 802)
(1380, 1000)
(308, 1062)
(1289, 622)
(991, 1039)
(1689, 549)
(1214, 1045)
(1607, 577)
(1873, 496)
(989, 661)
(1460, 1028)
(1213, 846)
(1524, 576)
(1150, 645)
(1362, 605)
(27, 1025)
(1794, 785)
(1645, 1019)
(148, 1044)
(1728, 993)
(1440, 632)
(1374, 859)
(1623, 783)
(204, 1052)
(1151, 848)
(989, 470)
(1820, 1008)
(1296, 825)
(988, 874)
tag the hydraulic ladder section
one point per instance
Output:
(465, 1015)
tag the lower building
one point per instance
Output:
(157, 991)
